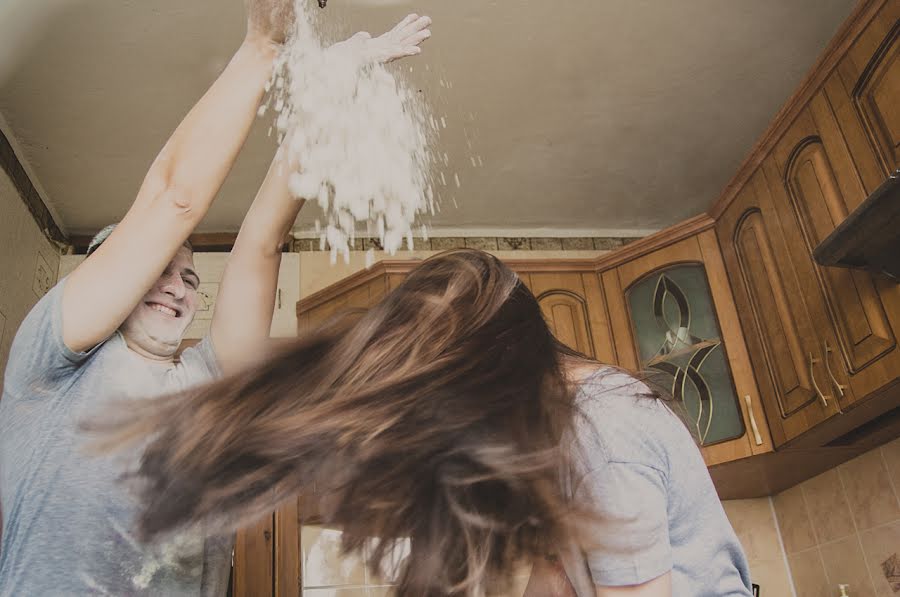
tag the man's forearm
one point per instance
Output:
(246, 300)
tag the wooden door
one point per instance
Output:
(702, 252)
(815, 183)
(783, 342)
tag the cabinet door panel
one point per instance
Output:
(690, 253)
(562, 300)
(876, 97)
(815, 187)
(781, 339)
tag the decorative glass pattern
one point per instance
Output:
(677, 334)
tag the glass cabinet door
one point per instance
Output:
(679, 341)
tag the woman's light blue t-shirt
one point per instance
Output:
(637, 466)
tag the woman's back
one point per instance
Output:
(637, 466)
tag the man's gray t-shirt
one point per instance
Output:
(67, 517)
(638, 467)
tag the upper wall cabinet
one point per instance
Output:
(787, 348)
(870, 74)
(673, 317)
(822, 339)
(815, 183)
(575, 309)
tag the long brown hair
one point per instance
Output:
(435, 417)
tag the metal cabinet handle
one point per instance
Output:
(834, 381)
(753, 426)
(812, 375)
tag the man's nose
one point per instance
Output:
(174, 286)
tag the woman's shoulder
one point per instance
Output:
(606, 386)
(620, 418)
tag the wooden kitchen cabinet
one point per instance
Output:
(673, 313)
(815, 183)
(781, 335)
(869, 77)
(575, 309)
(822, 339)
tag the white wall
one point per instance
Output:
(28, 264)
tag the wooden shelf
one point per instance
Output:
(869, 238)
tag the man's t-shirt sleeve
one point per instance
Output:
(39, 359)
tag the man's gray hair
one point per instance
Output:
(101, 236)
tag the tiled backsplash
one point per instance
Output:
(843, 527)
(754, 522)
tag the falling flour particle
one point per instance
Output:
(474, 163)
(456, 180)
(370, 258)
(443, 122)
(356, 137)
(262, 110)
(443, 180)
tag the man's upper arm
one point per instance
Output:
(103, 291)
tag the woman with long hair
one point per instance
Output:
(449, 416)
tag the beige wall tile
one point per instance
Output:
(608, 244)
(845, 565)
(771, 576)
(379, 592)
(828, 509)
(868, 489)
(577, 244)
(752, 521)
(513, 244)
(881, 547)
(546, 244)
(323, 564)
(793, 520)
(891, 453)
(808, 573)
(483, 244)
(443, 244)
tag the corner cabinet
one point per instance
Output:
(674, 319)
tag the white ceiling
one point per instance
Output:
(590, 115)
